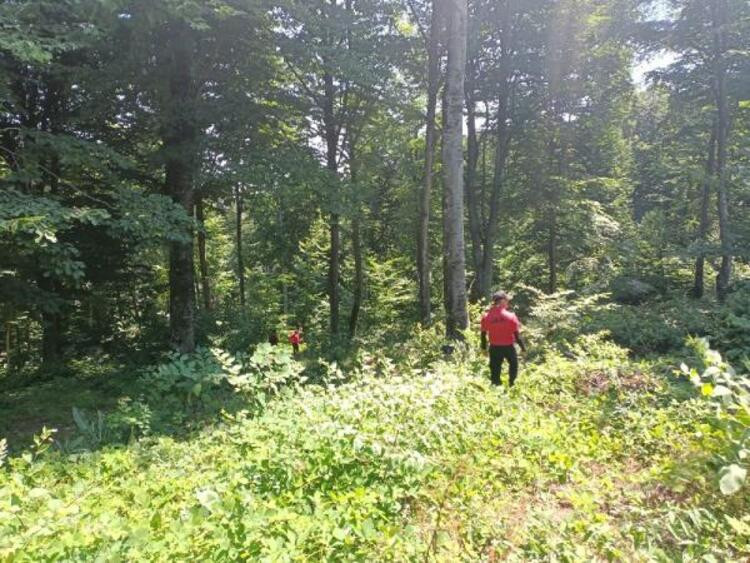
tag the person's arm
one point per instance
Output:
(520, 342)
(484, 341)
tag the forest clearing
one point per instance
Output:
(374, 280)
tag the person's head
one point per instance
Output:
(500, 299)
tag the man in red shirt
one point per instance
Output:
(295, 338)
(502, 328)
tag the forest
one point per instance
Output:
(183, 183)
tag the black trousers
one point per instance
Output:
(497, 355)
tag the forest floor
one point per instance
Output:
(26, 410)
(591, 456)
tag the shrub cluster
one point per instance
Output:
(591, 456)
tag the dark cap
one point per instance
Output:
(499, 296)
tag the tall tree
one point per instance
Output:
(719, 23)
(491, 71)
(454, 259)
(180, 142)
(333, 74)
(434, 56)
(710, 39)
(238, 244)
(205, 281)
(704, 218)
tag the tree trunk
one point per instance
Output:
(332, 142)
(51, 326)
(49, 120)
(484, 234)
(51, 346)
(359, 274)
(472, 197)
(556, 148)
(425, 197)
(719, 16)
(498, 181)
(453, 218)
(286, 260)
(502, 150)
(240, 259)
(700, 260)
(180, 140)
(359, 268)
(203, 263)
(552, 252)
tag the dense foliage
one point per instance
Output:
(241, 166)
(595, 456)
(183, 182)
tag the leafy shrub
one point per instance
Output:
(180, 394)
(730, 395)
(556, 320)
(391, 461)
(655, 327)
(130, 419)
(732, 331)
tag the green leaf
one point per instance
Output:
(208, 498)
(732, 480)
(721, 391)
(740, 527)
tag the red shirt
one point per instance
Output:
(501, 326)
(295, 337)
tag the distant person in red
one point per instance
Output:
(501, 327)
(295, 337)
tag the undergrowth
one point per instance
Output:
(591, 456)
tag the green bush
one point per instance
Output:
(732, 333)
(656, 327)
(730, 395)
(590, 457)
(187, 391)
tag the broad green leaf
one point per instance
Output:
(721, 391)
(732, 479)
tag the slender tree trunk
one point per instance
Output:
(425, 196)
(359, 274)
(698, 284)
(556, 148)
(719, 16)
(444, 209)
(552, 252)
(49, 120)
(285, 261)
(51, 346)
(180, 141)
(51, 327)
(453, 219)
(197, 288)
(359, 267)
(203, 262)
(240, 259)
(472, 199)
(498, 181)
(484, 233)
(332, 141)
